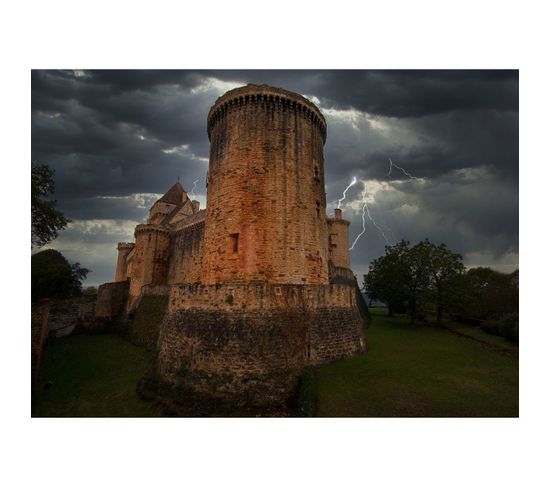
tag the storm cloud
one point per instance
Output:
(119, 139)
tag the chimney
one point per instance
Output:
(338, 213)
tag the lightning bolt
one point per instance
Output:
(192, 192)
(392, 164)
(353, 181)
(369, 216)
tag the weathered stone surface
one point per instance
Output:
(256, 286)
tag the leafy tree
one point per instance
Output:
(443, 266)
(46, 220)
(52, 276)
(408, 276)
(384, 280)
(492, 294)
(417, 278)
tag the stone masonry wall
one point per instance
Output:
(141, 325)
(266, 213)
(70, 314)
(186, 255)
(110, 305)
(237, 347)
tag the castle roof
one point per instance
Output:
(173, 195)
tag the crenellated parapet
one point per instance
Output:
(125, 245)
(265, 96)
(148, 228)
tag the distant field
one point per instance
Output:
(408, 371)
(421, 371)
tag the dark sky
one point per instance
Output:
(119, 139)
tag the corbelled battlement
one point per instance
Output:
(145, 228)
(265, 95)
(125, 245)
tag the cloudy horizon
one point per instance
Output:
(119, 139)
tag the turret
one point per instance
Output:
(338, 243)
(124, 249)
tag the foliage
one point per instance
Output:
(384, 280)
(46, 221)
(485, 294)
(52, 276)
(90, 291)
(509, 327)
(411, 276)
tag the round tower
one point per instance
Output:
(338, 234)
(151, 257)
(266, 217)
(124, 249)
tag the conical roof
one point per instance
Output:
(173, 195)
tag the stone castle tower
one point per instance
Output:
(266, 215)
(257, 285)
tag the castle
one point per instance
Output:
(257, 285)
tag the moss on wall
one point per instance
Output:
(142, 327)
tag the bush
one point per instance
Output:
(509, 327)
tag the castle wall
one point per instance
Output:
(186, 255)
(266, 217)
(70, 314)
(259, 296)
(252, 346)
(110, 304)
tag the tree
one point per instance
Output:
(46, 220)
(492, 294)
(408, 276)
(417, 279)
(442, 267)
(52, 276)
(384, 280)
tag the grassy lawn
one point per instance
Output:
(419, 371)
(408, 371)
(91, 376)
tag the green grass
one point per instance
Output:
(419, 372)
(407, 371)
(91, 376)
(477, 333)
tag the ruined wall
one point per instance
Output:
(186, 254)
(71, 314)
(266, 213)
